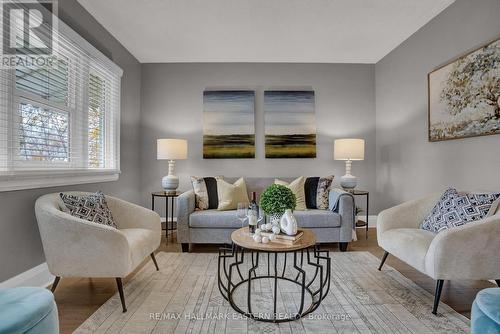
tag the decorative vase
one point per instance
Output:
(288, 223)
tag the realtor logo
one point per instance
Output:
(27, 27)
(28, 33)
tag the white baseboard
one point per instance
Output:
(372, 220)
(38, 276)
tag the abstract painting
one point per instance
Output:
(464, 95)
(228, 124)
(290, 124)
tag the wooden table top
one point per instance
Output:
(242, 238)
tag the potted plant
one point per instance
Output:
(275, 200)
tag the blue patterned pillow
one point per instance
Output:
(454, 209)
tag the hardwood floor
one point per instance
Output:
(78, 298)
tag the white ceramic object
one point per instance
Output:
(258, 231)
(288, 223)
(265, 240)
(276, 229)
(272, 237)
(348, 181)
(268, 226)
(257, 238)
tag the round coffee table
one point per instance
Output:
(305, 253)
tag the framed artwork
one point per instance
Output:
(290, 124)
(464, 95)
(228, 124)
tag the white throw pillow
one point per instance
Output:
(231, 194)
(297, 187)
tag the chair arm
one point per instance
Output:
(466, 252)
(186, 203)
(129, 215)
(406, 215)
(78, 248)
(342, 202)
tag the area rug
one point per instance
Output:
(183, 297)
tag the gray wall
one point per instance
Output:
(408, 166)
(172, 107)
(20, 245)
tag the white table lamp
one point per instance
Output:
(171, 150)
(349, 150)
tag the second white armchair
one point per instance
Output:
(468, 252)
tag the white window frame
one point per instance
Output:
(29, 178)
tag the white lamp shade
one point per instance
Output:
(171, 149)
(349, 149)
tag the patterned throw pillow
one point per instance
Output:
(93, 208)
(316, 191)
(454, 209)
(200, 192)
(205, 191)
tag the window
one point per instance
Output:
(97, 110)
(60, 124)
(43, 134)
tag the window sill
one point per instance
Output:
(20, 182)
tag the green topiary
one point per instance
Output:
(276, 199)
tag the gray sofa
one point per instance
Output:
(215, 227)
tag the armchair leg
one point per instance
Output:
(120, 291)
(437, 295)
(343, 246)
(383, 260)
(154, 261)
(185, 247)
(498, 282)
(54, 285)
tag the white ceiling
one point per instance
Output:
(308, 31)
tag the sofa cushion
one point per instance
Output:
(214, 219)
(407, 244)
(317, 218)
(228, 219)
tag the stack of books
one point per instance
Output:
(284, 238)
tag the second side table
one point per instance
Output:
(360, 223)
(169, 219)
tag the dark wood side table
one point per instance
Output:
(168, 218)
(360, 223)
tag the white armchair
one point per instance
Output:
(465, 252)
(78, 248)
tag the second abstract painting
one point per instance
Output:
(228, 124)
(290, 124)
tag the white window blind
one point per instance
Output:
(63, 119)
